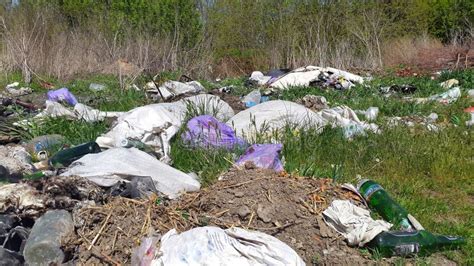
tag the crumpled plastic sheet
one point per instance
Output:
(271, 116)
(304, 76)
(20, 196)
(214, 246)
(265, 156)
(345, 117)
(121, 164)
(62, 95)
(206, 131)
(446, 97)
(16, 159)
(145, 253)
(449, 83)
(267, 117)
(80, 112)
(353, 222)
(156, 124)
(174, 88)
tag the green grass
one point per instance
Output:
(75, 132)
(430, 174)
(207, 164)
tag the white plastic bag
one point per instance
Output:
(214, 246)
(303, 76)
(111, 166)
(273, 115)
(353, 222)
(80, 111)
(174, 88)
(156, 124)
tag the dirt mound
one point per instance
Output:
(282, 206)
(288, 208)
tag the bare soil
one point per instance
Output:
(233, 100)
(286, 207)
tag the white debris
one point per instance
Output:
(447, 97)
(20, 197)
(353, 222)
(431, 118)
(214, 246)
(370, 114)
(174, 88)
(258, 77)
(470, 94)
(269, 117)
(117, 164)
(449, 83)
(272, 116)
(16, 159)
(156, 124)
(13, 90)
(80, 111)
(304, 76)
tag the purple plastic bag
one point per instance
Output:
(62, 95)
(205, 131)
(264, 156)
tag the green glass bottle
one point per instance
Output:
(379, 200)
(420, 243)
(65, 157)
(35, 175)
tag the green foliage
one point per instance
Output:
(75, 132)
(208, 164)
(118, 18)
(451, 17)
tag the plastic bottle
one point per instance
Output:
(379, 200)
(421, 243)
(96, 87)
(65, 157)
(372, 113)
(252, 99)
(40, 148)
(43, 246)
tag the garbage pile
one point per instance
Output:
(325, 77)
(287, 208)
(118, 199)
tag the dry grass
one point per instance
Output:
(43, 49)
(405, 50)
(43, 45)
(428, 53)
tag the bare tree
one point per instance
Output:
(21, 41)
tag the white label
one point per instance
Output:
(407, 249)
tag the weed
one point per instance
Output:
(316, 259)
(75, 132)
(376, 255)
(208, 164)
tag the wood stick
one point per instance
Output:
(100, 231)
(243, 183)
